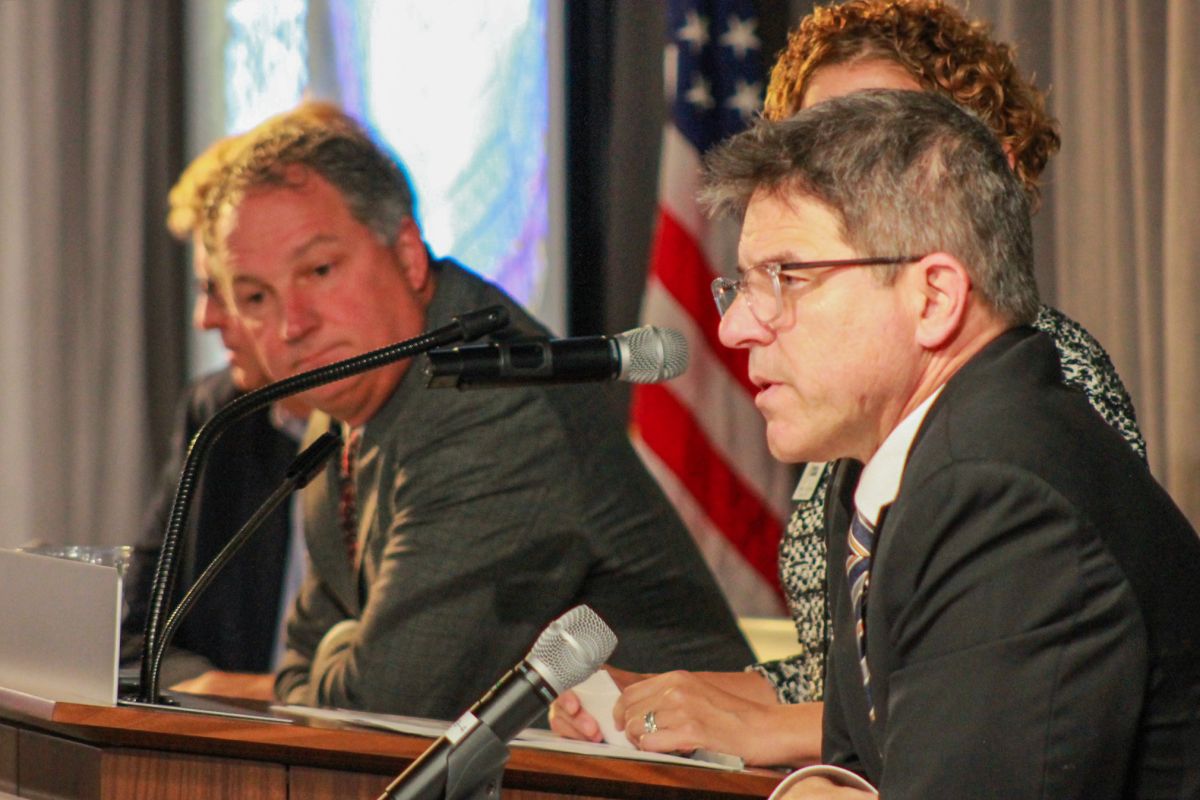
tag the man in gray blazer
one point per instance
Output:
(1014, 600)
(457, 525)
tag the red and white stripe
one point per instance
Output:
(700, 434)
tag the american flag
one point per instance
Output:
(700, 434)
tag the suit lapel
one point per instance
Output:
(879, 671)
(839, 506)
(368, 509)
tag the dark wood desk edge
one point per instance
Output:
(321, 745)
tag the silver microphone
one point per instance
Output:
(569, 650)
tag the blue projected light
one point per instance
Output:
(266, 60)
(473, 130)
(462, 98)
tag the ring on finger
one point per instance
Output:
(648, 723)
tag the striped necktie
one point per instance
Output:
(858, 574)
(348, 497)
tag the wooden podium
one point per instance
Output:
(67, 750)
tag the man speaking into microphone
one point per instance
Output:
(457, 524)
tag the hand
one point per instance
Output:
(569, 719)
(734, 713)
(246, 685)
(689, 713)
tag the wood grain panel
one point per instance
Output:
(314, 743)
(306, 783)
(200, 755)
(51, 768)
(8, 759)
(146, 775)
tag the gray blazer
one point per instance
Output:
(483, 516)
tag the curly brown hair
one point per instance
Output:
(942, 49)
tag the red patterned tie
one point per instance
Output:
(348, 500)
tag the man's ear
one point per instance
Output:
(941, 291)
(412, 256)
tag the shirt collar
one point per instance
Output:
(287, 423)
(880, 480)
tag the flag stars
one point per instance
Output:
(694, 30)
(700, 95)
(740, 36)
(745, 98)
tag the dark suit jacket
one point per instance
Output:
(1033, 616)
(234, 623)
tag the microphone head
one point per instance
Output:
(572, 648)
(475, 324)
(651, 354)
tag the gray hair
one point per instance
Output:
(320, 138)
(905, 173)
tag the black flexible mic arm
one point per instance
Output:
(302, 470)
(462, 328)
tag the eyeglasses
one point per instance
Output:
(760, 286)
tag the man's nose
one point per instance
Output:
(300, 316)
(740, 329)
(209, 312)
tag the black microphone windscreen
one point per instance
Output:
(475, 324)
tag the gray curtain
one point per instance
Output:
(82, 110)
(1119, 229)
(1120, 219)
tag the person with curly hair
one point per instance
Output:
(771, 713)
(916, 44)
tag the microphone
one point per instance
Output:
(472, 750)
(643, 355)
(463, 327)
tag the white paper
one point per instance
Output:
(598, 694)
(532, 738)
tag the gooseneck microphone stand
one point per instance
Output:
(462, 328)
(302, 470)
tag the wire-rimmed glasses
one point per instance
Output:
(761, 288)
